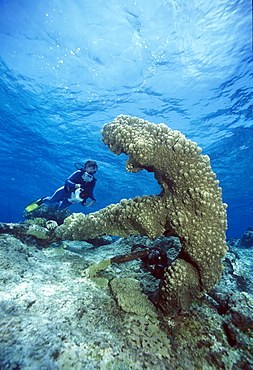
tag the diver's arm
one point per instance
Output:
(70, 183)
(91, 202)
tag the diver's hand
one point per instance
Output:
(77, 186)
(91, 202)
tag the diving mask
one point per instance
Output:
(87, 177)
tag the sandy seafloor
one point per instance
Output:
(53, 316)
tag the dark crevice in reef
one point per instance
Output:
(184, 256)
(230, 335)
(221, 305)
(222, 308)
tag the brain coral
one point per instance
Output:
(189, 206)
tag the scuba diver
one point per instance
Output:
(78, 188)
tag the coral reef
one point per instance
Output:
(53, 317)
(246, 241)
(189, 207)
(41, 228)
(130, 298)
(38, 231)
(247, 238)
(48, 212)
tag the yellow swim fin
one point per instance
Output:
(34, 205)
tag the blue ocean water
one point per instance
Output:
(68, 67)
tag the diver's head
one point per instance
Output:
(90, 167)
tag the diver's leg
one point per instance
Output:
(59, 195)
(64, 204)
